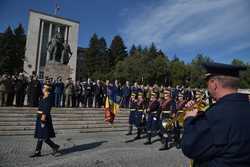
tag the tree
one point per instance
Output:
(117, 50)
(7, 52)
(178, 72)
(196, 71)
(132, 50)
(244, 75)
(20, 40)
(12, 50)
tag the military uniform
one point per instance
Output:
(139, 115)
(221, 135)
(44, 130)
(132, 109)
(165, 107)
(153, 122)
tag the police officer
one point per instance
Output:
(132, 109)
(153, 117)
(221, 135)
(139, 115)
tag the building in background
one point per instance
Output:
(42, 27)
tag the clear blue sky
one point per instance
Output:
(219, 29)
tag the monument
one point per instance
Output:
(51, 47)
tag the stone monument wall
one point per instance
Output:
(40, 31)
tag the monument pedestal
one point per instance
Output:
(56, 70)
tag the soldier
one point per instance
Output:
(165, 107)
(44, 128)
(132, 109)
(219, 136)
(139, 115)
(153, 117)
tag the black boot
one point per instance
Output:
(165, 145)
(138, 134)
(36, 154)
(38, 149)
(54, 146)
(149, 139)
(130, 130)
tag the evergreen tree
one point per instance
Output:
(132, 50)
(244, 75)
(196, 71)
(20, 40)
(91, 55)
(118, 51)
(7, 52)
(178, 72)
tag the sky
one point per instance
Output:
(219, 29)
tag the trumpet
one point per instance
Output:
(169, 123)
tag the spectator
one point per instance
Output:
(126, 92)
(69, 87)
(58, 91)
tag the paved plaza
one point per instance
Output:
(113, 149)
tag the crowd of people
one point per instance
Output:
(21, 90)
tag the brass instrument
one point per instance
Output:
(169, 123)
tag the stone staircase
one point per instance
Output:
(21, 121)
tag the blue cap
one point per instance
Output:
(215, 69)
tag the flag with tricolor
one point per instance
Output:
(111, 108)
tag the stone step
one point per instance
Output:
(65, 131)
(32, 119)
(11, 115)
(61, 112)
(64, 110)
(21, 121)
(30, 123)
(59, 127)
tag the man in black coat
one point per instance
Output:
(35, 90)
(98, 94)
(20, 89)
(221, 135)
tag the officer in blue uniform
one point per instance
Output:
(44, 128)
(165, 107)
(153, 121)
(139, 115)
(132, 109)
(221, 135)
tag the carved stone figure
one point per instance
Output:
(66, 53)
(55, 48)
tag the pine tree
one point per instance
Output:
(132, 50)
(20, 40)
(7, 52)
(118, 51)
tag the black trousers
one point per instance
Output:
(47, 141)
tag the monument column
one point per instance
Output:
(40, 48)
(66, 34)
(49, 38)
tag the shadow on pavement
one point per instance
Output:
(79, 148)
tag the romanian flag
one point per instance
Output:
(111, 108)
